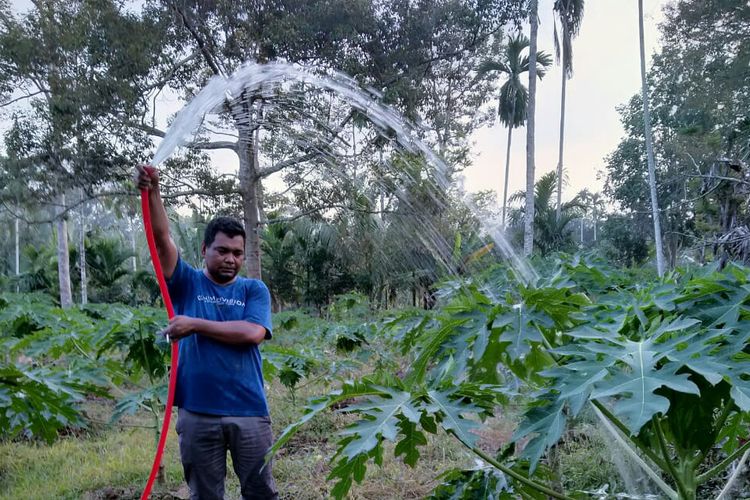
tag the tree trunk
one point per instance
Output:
(259, 193)
(82, 255)
(581, 231)
(18, 257)
(650, 149)
(595, 219)
(507, 174)
(528, 233)
(248, 154)
(134, 260)
(63, 259)
(558, 206)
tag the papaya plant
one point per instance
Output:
(56, 357)
(663, 365)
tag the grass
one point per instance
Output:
(73, 466)
(114, 462)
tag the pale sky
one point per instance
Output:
(606, 69)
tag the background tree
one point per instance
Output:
(655, 214)
(528, 233)
(700, 134)
(551, 233)
(569, 14)
(54, 60)
(513, 99)
(361, 41)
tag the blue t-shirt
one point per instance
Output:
(213, 377)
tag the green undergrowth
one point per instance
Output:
(114, 462)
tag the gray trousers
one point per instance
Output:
(204, 441)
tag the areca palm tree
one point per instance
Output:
(569, 14)
(107, 265)
(650, 149)
(550, 232)
(528, 223)
(513, 98)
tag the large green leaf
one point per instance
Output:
(347, 392)
(449, 412)
(38, 402)
(431, 346)
(409, 444)
(635, 387)
(381, 420)
(523, 330)
(547, 424)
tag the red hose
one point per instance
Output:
(175, 351)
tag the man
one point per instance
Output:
(221, 318)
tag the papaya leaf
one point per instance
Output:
(547, 423)
(524, 331)
(449, 413)
(38, 402)
(409, 444)
(380, 420)
(133, 402)
(430, 348)
(318, 405)
(347, 471)
(636, 386)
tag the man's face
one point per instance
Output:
(224, 257)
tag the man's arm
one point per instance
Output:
(147, 177)
(229, 332)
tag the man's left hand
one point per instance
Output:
(179, 327)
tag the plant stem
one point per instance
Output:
(157, 428)
(672, 494)
(616, 422)
(725, 412)
(723, 464)
(678, 479)
(515, 475)
(145, 354)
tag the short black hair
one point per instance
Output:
(227, 225)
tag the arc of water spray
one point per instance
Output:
(672, 494)
(253, 77)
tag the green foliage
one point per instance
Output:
(699, 117)
(550, 232)
(479, 482)
(57, 357)
(106, 259)
(664, 362)
(41, 271)
(62, 136)
(513, 64)
(39, 402)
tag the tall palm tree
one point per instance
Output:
(513, 98)
(569, 14)
(528, 230)
(650, 149)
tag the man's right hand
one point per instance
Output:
(146, 177)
